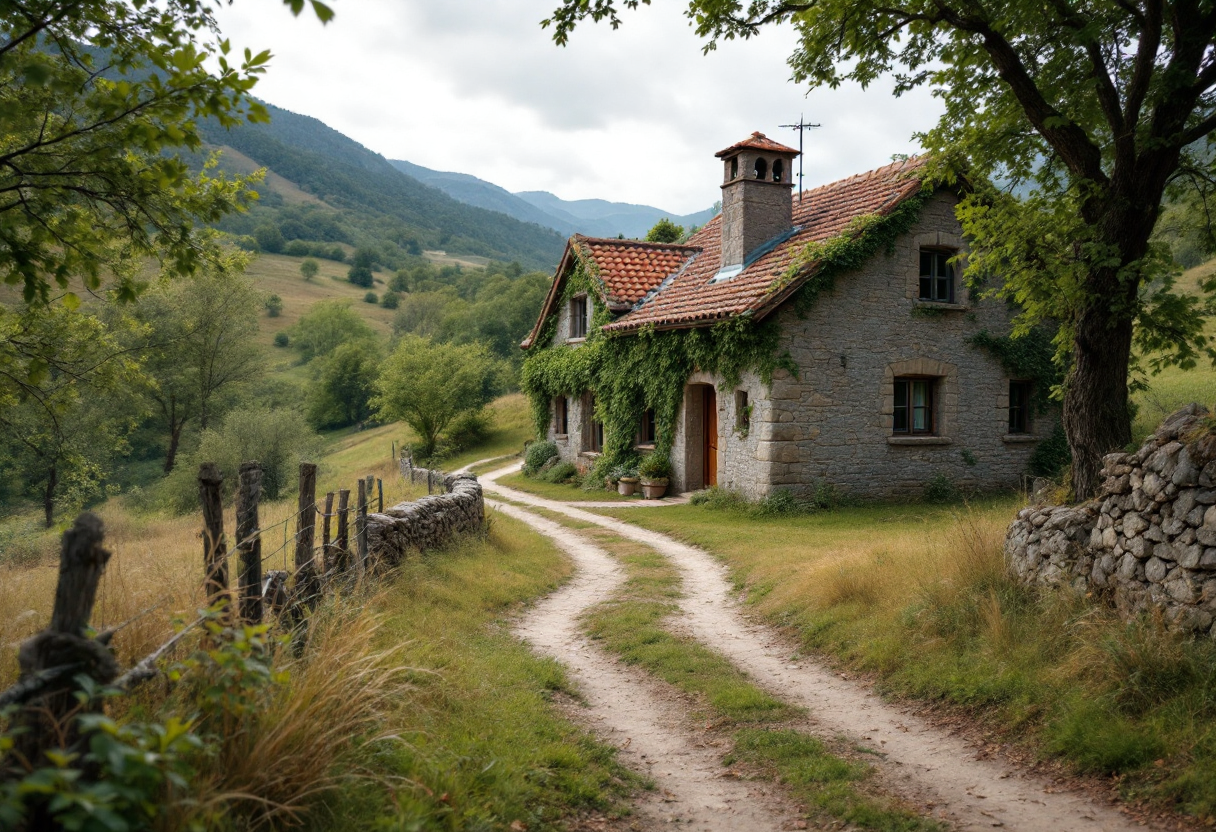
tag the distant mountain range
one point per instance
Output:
(593, 217)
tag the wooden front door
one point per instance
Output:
(710, 422)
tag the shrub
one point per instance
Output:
(371, 297)
(941, 489)
(297, 248)
(468, 429)
(655, 467)
(718, 498)
(1051, 456)
(309, 268)
(390, 300)
(281, 339)
(537, 455)
(781, 501)
(274, 306)
(561, 472)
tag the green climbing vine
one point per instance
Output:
(1030, 356)
(630, 372)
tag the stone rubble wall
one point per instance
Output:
(1148, 540)
(428, 522)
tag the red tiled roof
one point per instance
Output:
(757, 141)
(627, 270)
(825, 212)
(630, 268)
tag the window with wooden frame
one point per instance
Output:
(593, 429)
(646, 428)
(1019, 407)
(936, 276)
(578, 317)
(561, 416)
(914, 407)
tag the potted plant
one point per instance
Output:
(654, 473)
(627, 482)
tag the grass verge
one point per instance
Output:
(920, 596)
(631, 624)
(481, 743)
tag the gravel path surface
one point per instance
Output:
(920, 760)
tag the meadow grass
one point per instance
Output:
(634, 624)
(921, 597)
(478, 741)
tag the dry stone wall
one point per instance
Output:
(428, 522)
(1148, 540)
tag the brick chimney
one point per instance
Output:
(756, 201)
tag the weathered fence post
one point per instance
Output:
(327, 555)
(306, 524)
(63, 646)
(361, 530)
(249, 541)
(342, 555)
(380, 495)
(215, 547)
(411, 470)
(428, 480)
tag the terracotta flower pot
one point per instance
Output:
(626, 486)
(654, 489)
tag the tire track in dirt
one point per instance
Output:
(632, 711)
(919, 759)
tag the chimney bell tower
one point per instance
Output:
(756, 201)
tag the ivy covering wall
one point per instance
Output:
(631, 372)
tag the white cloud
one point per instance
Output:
(633, 115)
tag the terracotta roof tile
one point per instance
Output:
(757, 141)
(630, 268)
(690, 299)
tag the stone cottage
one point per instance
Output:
(883, 386)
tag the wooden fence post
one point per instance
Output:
(306, 524)
(64, 647)
(428, 480)
(361, 530)
(380, 495)
(327, 554)
(249, 541)
(215, 547)
(342, 555)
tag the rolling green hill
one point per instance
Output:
(325, 187)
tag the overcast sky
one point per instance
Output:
(634, 115)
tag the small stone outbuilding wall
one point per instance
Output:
(428, 522)
(1148, 540)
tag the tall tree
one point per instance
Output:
(198, 347)
(1098, 105)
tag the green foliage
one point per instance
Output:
(326, 326)
(665, 231)
(309, 268)
(538, 453)
(269, 238)
(279, 440)
(1051, 456)
(561, 472)
(1030, 354)
(343, 387)
(281, 339)
(428, 385)
(655, 466)
(371, 298)
(274, 306)
(941, 489)
(390, 300)
(468, 430)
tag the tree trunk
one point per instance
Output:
(1096, 416)
(175, 438)
(48, 496)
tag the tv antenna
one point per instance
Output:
(801, 127)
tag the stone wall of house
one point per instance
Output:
(428, 522)
(1149, 538)
(569, 445)
(833, 423)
